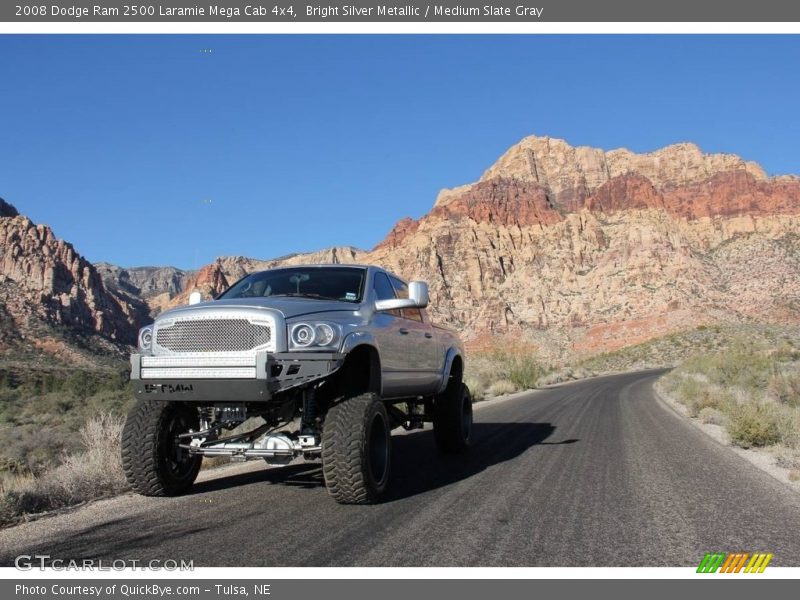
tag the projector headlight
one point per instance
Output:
(146, 338)
(313, 336)
(302, 335)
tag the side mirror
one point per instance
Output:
(418, 292)
(195, 298)
(418, 298)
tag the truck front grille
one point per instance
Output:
(213, 335)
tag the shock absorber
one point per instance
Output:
(207, 414)
(308, 423)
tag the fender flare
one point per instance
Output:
(452, 354)
(359, 338)
(356, 339)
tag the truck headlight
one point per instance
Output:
(317, 335)
(146, 338)
(303, 335)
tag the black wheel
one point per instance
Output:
(452, 418)
(154, 465)
(357, 450)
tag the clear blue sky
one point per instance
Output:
(146, 150)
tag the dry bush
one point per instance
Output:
(754, 425)
(93, 473)
(565, 374)
(697, 395)
(711, 416)
(501, 388)
(751, 390)
(785, 388)
(492, 373)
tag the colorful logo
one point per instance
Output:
(734, 562)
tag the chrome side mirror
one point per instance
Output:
(418, 292)
(417, 298)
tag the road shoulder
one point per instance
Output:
(763, 459)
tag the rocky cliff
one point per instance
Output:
(570, 174)
(575, 250)
(48, 289)
(571, 250)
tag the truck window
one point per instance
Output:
(383, 289)
(401, 288)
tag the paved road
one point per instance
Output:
(593, 473)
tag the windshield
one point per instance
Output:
(344, 284)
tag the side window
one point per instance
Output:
(383, 289)
(401, 288)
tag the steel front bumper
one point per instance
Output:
(217, 378)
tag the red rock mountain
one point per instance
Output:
(572, 250)
(577, 250)
(47, 288)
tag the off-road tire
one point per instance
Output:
(357, 450)
(152, 465)
(452, 418)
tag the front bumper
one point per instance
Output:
(224, 379)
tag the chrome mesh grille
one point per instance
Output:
(213, 335)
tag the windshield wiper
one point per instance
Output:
(304, 295)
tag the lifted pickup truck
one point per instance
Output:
(326, 359)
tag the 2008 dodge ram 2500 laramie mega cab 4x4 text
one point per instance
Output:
(326, 359)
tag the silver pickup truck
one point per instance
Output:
(320, 361)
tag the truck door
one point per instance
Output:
(422, 358)
(391, 341)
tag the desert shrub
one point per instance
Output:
(711, 415)
(785, 388)
(94, 472)
(479, 374)
(754, 425)
(523, 370)
(789, 427)
(739, 366)
(501, 388)
(552, 378)
(697, 395)
(477, 387)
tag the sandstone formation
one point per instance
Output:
(579, 250)
(570, 174)
(576, 250)
(569, 250)
(45, 283)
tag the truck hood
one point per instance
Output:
(288, 307)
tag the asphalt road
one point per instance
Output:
(593, 473)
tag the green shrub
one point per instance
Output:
(523, 370)
(697, 395)
(785, 387)
(739, 366)
(754, 425)
(495, 373)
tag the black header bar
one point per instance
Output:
(512, 11)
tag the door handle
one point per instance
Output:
(428, 335)
(404, 331)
